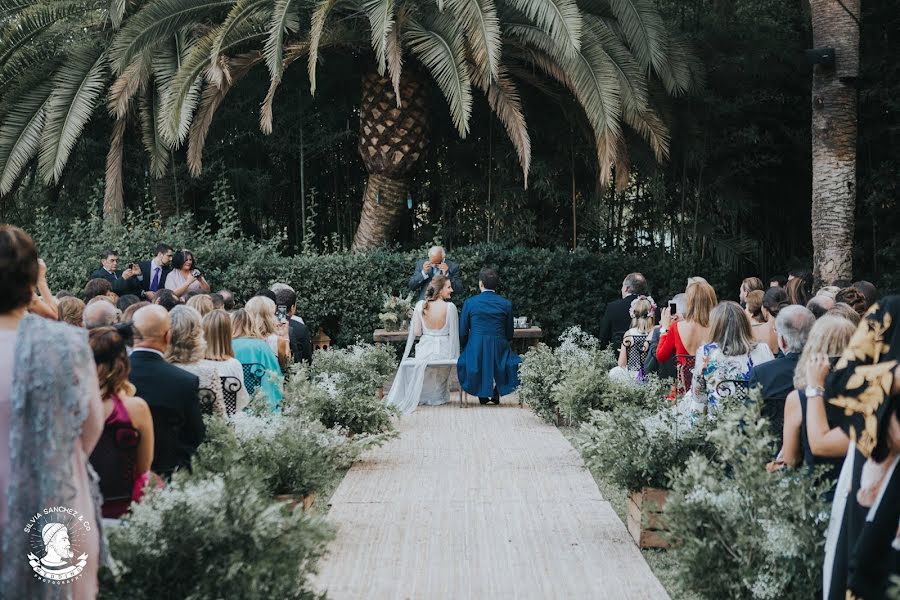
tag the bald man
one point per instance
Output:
(100, 313)
(427, 268)
(170, 392)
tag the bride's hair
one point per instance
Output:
(433, 292)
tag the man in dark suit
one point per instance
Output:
(154, 271)
(428, 268)
(298, 332)
(122, 282)
(487, 367)
(617, 320)
(170, 392)
(776, 377)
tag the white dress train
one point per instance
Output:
(415, 382)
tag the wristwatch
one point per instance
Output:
(813, 391)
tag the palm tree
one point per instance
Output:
(834, 132)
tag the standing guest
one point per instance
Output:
(128, 315)
(220, 356)
(187, 349)
(868, 290)
(262, 310)
(124, 452)
(729, 357)
(125, 301)
(155, 271)
(774, 300)
(776, 378)
(820, 304)
(96, 287)
(122, 282)
(170, 392)
(71, 310)
(679, 338)
(435, 264)
(759, 328)
(616, 319)
(167, 299)
(777, 281)
(98, 313)
(51, 417)
(667, 369)
(750, 284)
(185, 276)
(798, 292)
(846, 311)
(854, 299)
(298, 333)
(254, 353)
(202, 303)
(227, 299)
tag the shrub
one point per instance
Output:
(539, 374)
(358, 370)
(226, 538)
(739, 531)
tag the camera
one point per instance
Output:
(197, 273)
(281, 312)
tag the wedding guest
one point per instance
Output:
(634, 342)
(679, 338)
(43, 302)
(727, 359)
(846, 311)
(71, 310)
(124, 452)
(187, 349)
(227, 299)
(202, 303)
(820, 304)
(128, 315)
(155, 271)
(775, 379)
(774, 300)
(854, 299)
(184, 275)
(299, 334)
(616, 319)
(96, 287)
(807, 435)
(436, 263)
(122, 282)
(220, 356)
(829, 291)
(125, 301)
(100, 314)
(262, 310)
(62, 294)
(265, 293)
(868, 290)
(50, 408)
(841, 283)
(170, 392)
(759, 328)
(797, 291)
(667, 369)
(253, 352)
(218, 301)
(777, 281)
(167, 299)
(750, 284)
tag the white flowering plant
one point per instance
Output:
(215, 537)
(396, 311)
(739, 531)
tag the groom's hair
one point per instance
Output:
(489, 278)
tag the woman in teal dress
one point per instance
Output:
(261, 368)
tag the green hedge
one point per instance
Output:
(343, 293)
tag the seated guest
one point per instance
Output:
(262, 310)
(125, 450)
(125, 301)
(298, 333)
(170, 392)
(71, 310)
(751, 284)
(63, 293)
(727, 360)
(98, 313)
(774, 300)
(202, 303)
(820, 304)
(265, 293)
(616, 319)
(797, 291)
(185, 276)
(436, 263)
(227, 299)
(187, 349)
(806, 434)
(868, 290)
(829, 290)
(122, 282)
(841, 283)
(854, 299)
(218, 301)
(667, 369)
(167, 299)
(759, 327)
(776, 378)
(634, 342)
(155, 271)
(846, 311)
(255, 354)
(679, 338)
(96, 287)
(128, 314)
(803, 274)
(777, 281)
(220, 356)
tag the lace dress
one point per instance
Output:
(717, 376)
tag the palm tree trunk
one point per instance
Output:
(383, 203)
(834, 134)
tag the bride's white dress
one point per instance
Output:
(417, 383)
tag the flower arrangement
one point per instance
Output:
(396, 312)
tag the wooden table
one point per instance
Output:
(531, 336)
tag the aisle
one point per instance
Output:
(479, 502)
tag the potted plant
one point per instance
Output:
(396, 312)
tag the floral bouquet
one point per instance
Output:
(396, 312)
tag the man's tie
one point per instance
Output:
(154, 283)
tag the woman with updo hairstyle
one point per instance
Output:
(759, 328)
(71, 310)
(187, 349)
(124, 453)
(853, 298)
(774, 300)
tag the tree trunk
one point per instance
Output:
(392, 139)
(834, 135)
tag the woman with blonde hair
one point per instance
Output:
(259, 362)
(202, 303)
(634, 341)
(71, 310)
(681, 338)
(187, 348)
(262, 310)
(750, 284)
(220, 356)
(123, 456)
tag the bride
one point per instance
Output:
(436, 320)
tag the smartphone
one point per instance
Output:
(281, 313)
(673, 308)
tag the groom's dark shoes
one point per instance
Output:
(496, 398)
(484, 400)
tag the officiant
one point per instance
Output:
(428, 268)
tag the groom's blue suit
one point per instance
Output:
(485, 330)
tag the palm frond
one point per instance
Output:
(284, 20)
(156, 148)
(482, 27)
(632, 78)
(133, 79)
(644, 29)
(20, 134)
(113, 195)
(9, 8)
(395, 54)
(503, 98)
(33, 62)
(686, 71)
(441, 48)
(77, 89)
(319, 17)
(381, 21)
(117, 12)
(266, 111)
(237, 17)
(652, 128)
(561, 19)
(34, 21)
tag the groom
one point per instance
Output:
(487, 366)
